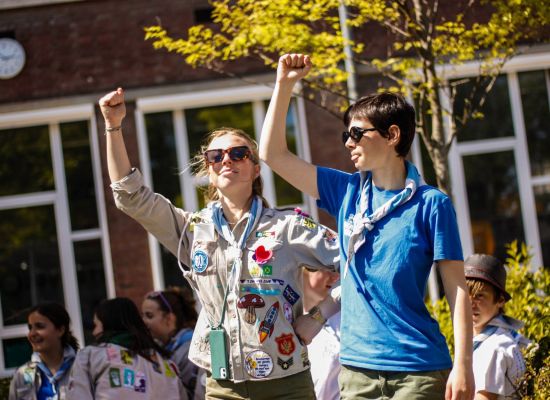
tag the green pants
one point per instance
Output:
(358, 383)
(294, 387)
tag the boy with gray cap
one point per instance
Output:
(497, 360)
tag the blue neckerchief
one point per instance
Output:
(363, 223)
(180, 338)
(49, 389)
(484, 335)
(235, 250)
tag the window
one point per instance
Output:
(500, 165)
(52, 225)
(173, 130)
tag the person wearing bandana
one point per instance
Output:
(242, 258)
(46, 375)
(392, 228)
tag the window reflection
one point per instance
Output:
(542, 204)
(29, 261)
(26, 165)
(91, 281)
(163, 156)
(536, 114)
(497, 112)
(16, 352)
(79, 176)
(494, 202)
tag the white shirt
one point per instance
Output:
(498, 363)
(324, 353)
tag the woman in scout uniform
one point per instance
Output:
(243, 260)
(392, 227)
(170, 316)
(46, 375)
(126, 363)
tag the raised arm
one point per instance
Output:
(273, 147)
(114, 110)
(461, 380)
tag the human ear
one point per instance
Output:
(394, 135)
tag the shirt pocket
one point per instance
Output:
(205, 258)
(262, 259)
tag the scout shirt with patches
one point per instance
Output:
(268, 297)
(27, 380)
(109, 371)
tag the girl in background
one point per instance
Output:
(46, 375)
(170, 316)
(126, 363)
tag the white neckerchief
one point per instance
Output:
(363, 223)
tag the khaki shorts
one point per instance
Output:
(358, 383)
(294, 387)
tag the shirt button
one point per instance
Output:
(233, 339)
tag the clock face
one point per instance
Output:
(12, 58)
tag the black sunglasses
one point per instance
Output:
(356, 133)
(237, 153)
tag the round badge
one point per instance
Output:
(258, 364)
(199, 261)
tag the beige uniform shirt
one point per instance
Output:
(109, 372)
(268, 295)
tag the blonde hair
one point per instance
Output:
(200, 165)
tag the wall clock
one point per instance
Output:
(12, 58)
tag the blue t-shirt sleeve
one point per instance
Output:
(444, 231)
(331, 185)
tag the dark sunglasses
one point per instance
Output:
(237, 153)
(356, 133)
(158, 294)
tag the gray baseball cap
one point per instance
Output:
(489, 269)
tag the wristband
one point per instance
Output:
(113, 129)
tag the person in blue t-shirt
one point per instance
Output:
(392, 228)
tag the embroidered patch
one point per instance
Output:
(258, 364)
(268, 324)
(168, 370)
(329, 236)
(129, 378)
(285, 364)
(285, 344)
(289, 314)
(308, 223)
(264, 292)
(305, 359)
(112, 353)
(28, 376)
(126, 357)
(290, 295)
(114, 377)
(254, 270)
(262, 255)
(199, 261)
(263, 281)
(265, 234)
(250, 302)
(141, 385)
(299, 211)
(267, 270)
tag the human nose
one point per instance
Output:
(350, 143)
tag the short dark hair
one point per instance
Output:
(121, 315)
(60, 319)
(384, 110)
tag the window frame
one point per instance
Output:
(177, 104)
(58, 198)
(517, 144)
